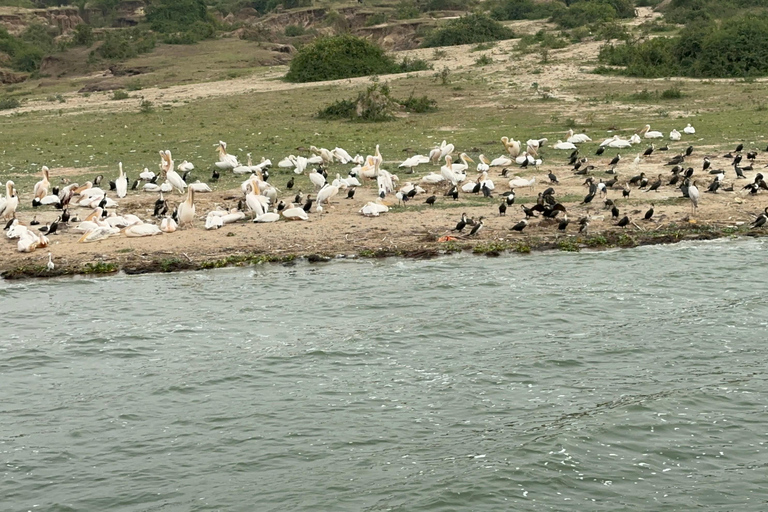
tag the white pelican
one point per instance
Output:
(186, 166)
(317, 179)
(373, 209)
(267, 217)
(258, 204)
(146, 174)
(577, 138)
(165, 187)
(502, 161)
(464, 165)
(287, 162)
(326, 193)
(186, 209)
(512, 146)
(413, 161)
(301, 164)
(315, 159)
(564, 145)
(10, 202)
(99, 233)
(121, 183)
(635, 139)
(41, 188)
(618, 142)
(15, 230)
(690, 130)
(323, 153)
(445, 149)
(674, 135)
(447, 173)
(651, 134)
(484, 164)
(172, 177)
(537, 143)
(138, 230)
(226, 161)
(49, 199)
(200, 187)
(517, 181)
(29, 241)
(341, 155)
(168, 225)
(213, 221)
(233, 216)
(295, 213)
(608, 141)
(432, 178)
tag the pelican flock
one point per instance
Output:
(518, 168)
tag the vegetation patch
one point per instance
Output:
(474, 28)
(734, 48)
(524, 10)
(375, 104)
(100, 267)
(345, 56)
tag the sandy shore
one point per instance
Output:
(413, 230)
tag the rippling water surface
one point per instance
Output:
(605, 381)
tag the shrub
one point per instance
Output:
(167, 16)
(124, 44)
(344, 56)
(83, 35)
(9, 103)
(406, 10)
(483, 60)
(375, 104)
(473, 28)
(120, 95)
(294, 30)
(582, 13)
(524, 10)
(376, 19)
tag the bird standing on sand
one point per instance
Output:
(477, 228)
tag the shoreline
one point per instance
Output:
(165, 261)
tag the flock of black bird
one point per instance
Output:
(548, 207)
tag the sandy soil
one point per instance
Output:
(341, 230)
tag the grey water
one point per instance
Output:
(620, 380)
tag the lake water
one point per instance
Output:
(629, 379)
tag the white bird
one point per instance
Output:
(29, 241)
(146, 174)
(139, 230)
(258, 204)
(186, 166)
(512, 146)
(171, 176)
(317, 179)
(323, 153)
(675, 135)
(10, 202)
(41, 188)
(447, 173)
(484, 164)
(99, 233)
(168, 225)
(341, 155)
(121, 183)
(445, 149)
(151, 187)
(287, 162)
(411, 162)
(301, 164)
(326, 193)
(295, 213)
(635, 139)
(517, 181)
(464, 165)
(15, 230)
(186, 210)
(197, 186)
(690, 130)
(50, 264)
(432, 178)
(373, 209)
(577, 138)
(165, 187)
(564, 145)
(618, 142)
(267, 217)
(651, 134)
(226, 161)
(502, 161)
(536, 143)
(693, 195)
(213, 221)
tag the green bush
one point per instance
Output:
(375, 104)
(376, 19)
(168, 16)
(473, 28)
(583, 13)
(345, 56)
(120, 95)
(24, 55)
(524, 10)
(735, 48)
(83, 35)
(293, 30)
(448, 5)
(9, 103)
(406, 10)
(124, 44)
